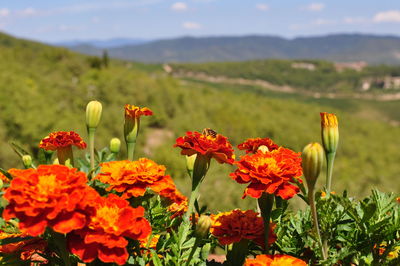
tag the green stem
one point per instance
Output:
(130, 146)
(237, 255)
(60, 243)
(91, 146)
(330, 159)
(194, 248)
(311, 199)
(265, 202)
(65, 155)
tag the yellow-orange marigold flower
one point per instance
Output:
(252, 145)
(133, 177)
(144, 243)
(105, 235)
(231, 227)
(135, 111)
(214, 146)
(62, 139)
(274, 260)
(51, 195)
(178, 209)
(270, 172)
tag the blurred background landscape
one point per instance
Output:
(243, 68)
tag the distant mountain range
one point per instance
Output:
(101, 44)
(373, 49)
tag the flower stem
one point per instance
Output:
(91, 147)
(237, 255)
(311, 199)
(330, 159)
(131, 149)
(265, 202)
(65, 156)
(60, 243)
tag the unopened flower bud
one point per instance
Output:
(115, 145)
(329, 132)
(93, 114)
(203, 226)
(27, 161)
(263, 148)
(312, 159)
(190, 160)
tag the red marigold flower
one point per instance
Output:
(25, 249)
(232, 227)
(274, 260)
(212, 145)
(252, 145)
(270, 172)
(133, 177)
(51, 195)
(135, 112)
(105, 235)
(62, 139)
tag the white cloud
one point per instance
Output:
(191, 25)
(179, 6)
(387, 16)
(315, 7)
(262, 7)
(4, 12)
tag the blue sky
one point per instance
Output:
(60, 20)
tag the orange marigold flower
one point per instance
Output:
(144, 243)
(216, 146)
(398, 199)
(25, 249)
(231, 227)
(270, 172)
(62, 139)
(51, 195)
(133, 177)
(105, 236)
(274, 260)
(252, 145)
(135, 112)
(178, 209)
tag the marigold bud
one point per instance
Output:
(27, 161)
(115, 145)
(93, 114)
(329, 132)
(312, 159)
(190, 160)
(263, 148)
(203, 226)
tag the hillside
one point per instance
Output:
(44, 89)
(340, 47)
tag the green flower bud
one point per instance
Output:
(190, 160)
(203, 226)
(27, 161)
(329, 132)
(312, 160)
(115, 145)
(93, 114)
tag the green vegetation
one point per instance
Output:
(309, 75)
(44, 89)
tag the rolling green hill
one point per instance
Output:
(44, 89)
(338, 47)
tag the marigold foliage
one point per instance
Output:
(232, 227)
(62, 139)
(105, 236)
(51, 195)
(274, 260)
(217, 147)
(252, 145)
(271, 172)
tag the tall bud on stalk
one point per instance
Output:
(93, 116)
(312, 160)
(330, 140)
(203, 226)
(115, 145)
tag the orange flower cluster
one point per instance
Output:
(133, 178)
(27, 249)
(274, 260)
(252, 145)
(62, 139)
(270, 172)
(105, 236)
(213, 146)
(51, 195)
(178, 209)
(144, 243)
(232, 227)
(135, 112)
